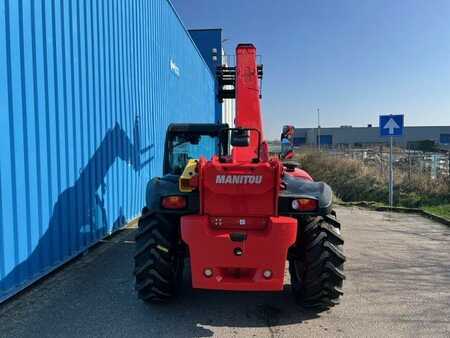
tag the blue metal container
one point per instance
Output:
(209, 43)
(87, 89)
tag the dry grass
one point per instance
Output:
(352, 180)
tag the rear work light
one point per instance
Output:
(304, 204)
(174, 202)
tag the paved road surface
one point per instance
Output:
(398, 284)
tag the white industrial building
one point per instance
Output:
(348, 136)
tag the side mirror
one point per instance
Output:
(240, 138)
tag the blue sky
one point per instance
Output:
(353, 59)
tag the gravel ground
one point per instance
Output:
(398, 284)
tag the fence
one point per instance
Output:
(409, 162)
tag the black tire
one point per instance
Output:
(317, 261)
(158, 264)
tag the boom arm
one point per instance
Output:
(248, 109)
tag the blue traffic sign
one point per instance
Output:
(391, 125)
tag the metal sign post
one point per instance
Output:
(391, 175)
(390, 126)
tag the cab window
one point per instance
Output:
(186, 147)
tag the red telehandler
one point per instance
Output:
(239, 215)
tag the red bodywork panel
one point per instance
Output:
(230, 189)
(238, 235)
(299, 173)
(238, 198)
(212, 248)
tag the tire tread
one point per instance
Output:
(155, 269)
(317, 270)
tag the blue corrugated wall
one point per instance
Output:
(207, 40)
(87, 89)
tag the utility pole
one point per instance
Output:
(408, 146)
(318, 129)
(381, 161)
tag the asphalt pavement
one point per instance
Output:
(398, 284)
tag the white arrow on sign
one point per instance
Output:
(391, 125)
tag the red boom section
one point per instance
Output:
(248, 110)
(237, 237)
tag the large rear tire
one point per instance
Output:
(317, 261)
(158, 264)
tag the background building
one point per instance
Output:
(348, 136)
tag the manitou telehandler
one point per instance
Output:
(237, 215)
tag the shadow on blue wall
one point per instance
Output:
(79, 216)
